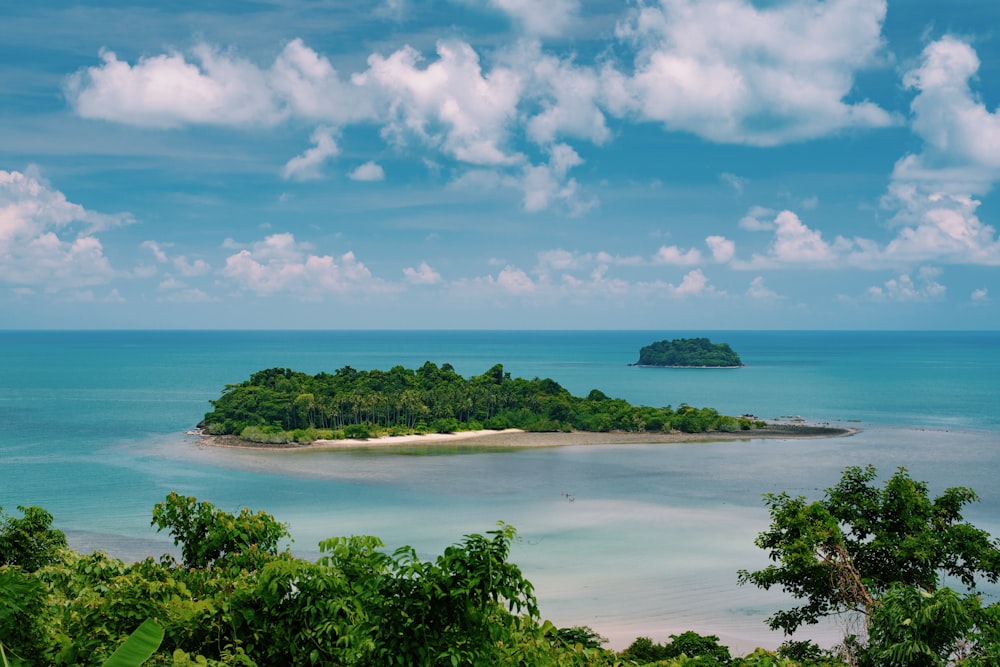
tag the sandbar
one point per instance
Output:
(515, 438)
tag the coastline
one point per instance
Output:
(515, 438)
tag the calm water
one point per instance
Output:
(92, 428)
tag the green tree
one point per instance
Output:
(844, 553)
(911, 627)
(30, 541)
(209, 536)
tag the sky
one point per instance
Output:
(500, 164)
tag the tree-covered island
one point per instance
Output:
(279, 405)
(689, 353)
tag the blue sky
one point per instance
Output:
(681, 164)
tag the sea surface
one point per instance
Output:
(93, 428)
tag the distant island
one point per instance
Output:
(282, 406)
(689, 353)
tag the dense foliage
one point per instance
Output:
(881, 553)
(694, 352)
(280, 405)
(250, 604)
(239, 599)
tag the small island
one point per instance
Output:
(689, 353)
(280, 406)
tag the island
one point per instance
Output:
(689, 353)
(282, 406)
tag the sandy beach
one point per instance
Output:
(517, 438)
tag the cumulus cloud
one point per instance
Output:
(756, 219)
(168, 91)
(796, 244)
(307, 166)
(955, 125)
(213, 87)
(938, 226)
(723, 250)
(567, 95)
(694, 283)
(280, 264)
(980, 295)
(674, 255)
(369, 171)
(449, 104)
(47, 241)
(731, 72)
(934, 194)
(422, 275)
(544, 185)
(190, 269)
(905, 288)
(515, 281)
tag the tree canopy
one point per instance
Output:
(241, 602)
(236, 599)
(882, 553)
(282, 405)
(688, 352)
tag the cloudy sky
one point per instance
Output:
(653, 164)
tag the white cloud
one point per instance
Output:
(938, 226)
(795, 244)
(548, 18)
(190, 269)
(369, 171)
(168, 91)
(731, 72)
(216, 88)
(954, 124)
(674, 255)
(306, 85)
(563, 261)
(547, 184)
(753, 221)
(933, 194)
(567, 95)
(980, 295)
(450, 104)
(307, 166)
(422, 275)
(905, 288)
(723, 250)
(694, 283)
(35, 221)
(280, 264)
(515, 281)
(758, 290)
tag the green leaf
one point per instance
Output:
(139, 646)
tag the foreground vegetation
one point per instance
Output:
(279, 405)
(689, 352)
(238, 598)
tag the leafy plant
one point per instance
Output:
(29, 541)
(209, 536)
(139, 646)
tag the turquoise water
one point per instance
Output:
(92, 427)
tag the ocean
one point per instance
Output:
(93, 428)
